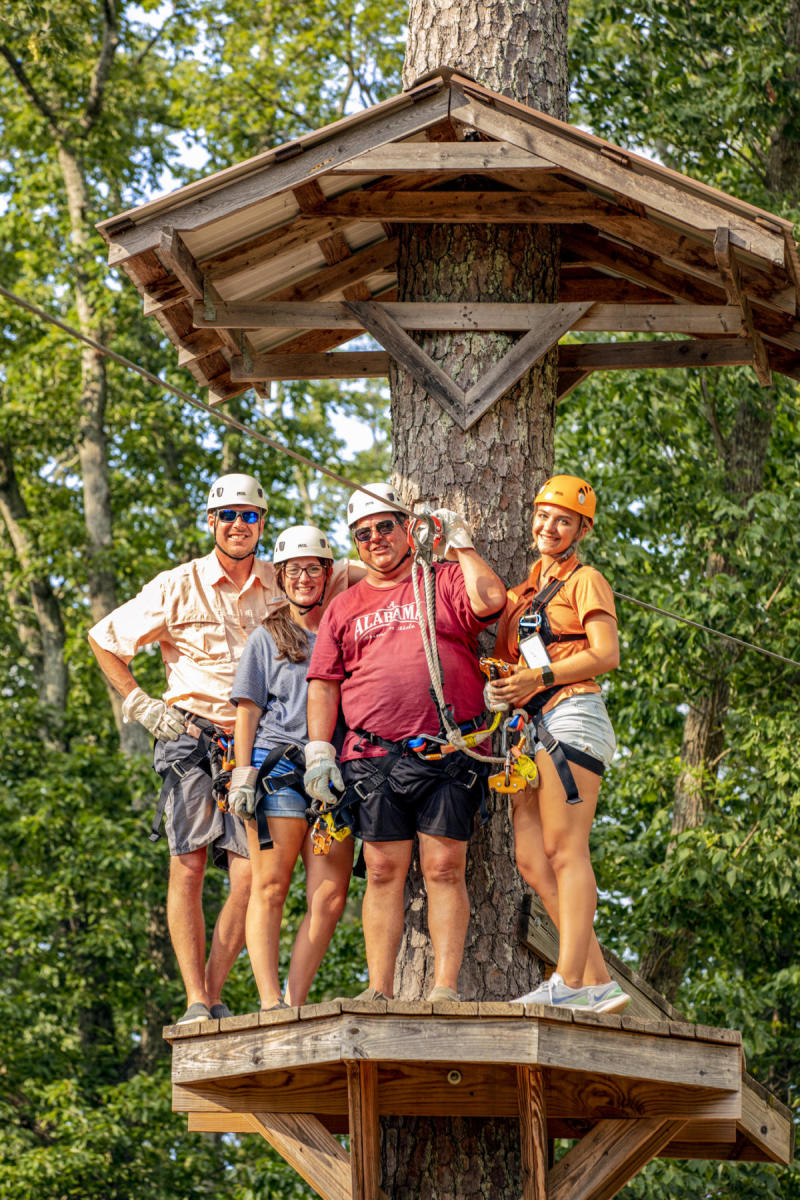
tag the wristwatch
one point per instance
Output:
(548, 678)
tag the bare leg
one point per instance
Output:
(443, 862)
(228, 937)
(534, 867)
(327, 880)
(272, 874)
(382, 913)
(185, 921)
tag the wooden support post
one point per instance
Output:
(308, 1147)
(729, 270)
(608, 1156)
(533, 1132)
(362, 1103)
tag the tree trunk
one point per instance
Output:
(34, 604)
(489, 473)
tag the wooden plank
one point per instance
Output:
(533, 1132)
(365, 1147)
(306, 1145)
(333, 279)
(399, 158)
(428, 374)
(545, 1041)
(225, 194)
(467, 207)
(196, 345)
(588, 163)
(608, 1157)
(793, 266)
(503, 374)
(766, 1122)
(729, 270)
(219, 1123)
(576, 284)
(610, 318)
(345, 365)
(637, 356)
(568, 381)
(174, 254)
(283, 239)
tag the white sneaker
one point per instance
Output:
(607, 997)
(555, 992)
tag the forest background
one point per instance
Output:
(102, 484)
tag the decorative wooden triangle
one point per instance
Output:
(467, 407)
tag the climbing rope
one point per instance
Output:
(240, 427)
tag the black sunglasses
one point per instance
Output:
(250, 516)
(384, 528)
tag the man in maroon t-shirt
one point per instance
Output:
(369, 658)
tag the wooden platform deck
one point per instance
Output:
(629, 1089)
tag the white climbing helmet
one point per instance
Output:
(361, 505)
(300, 540)
(236, 489)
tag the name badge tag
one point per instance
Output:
(534, 651)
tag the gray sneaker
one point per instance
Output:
(220, 1011)
(555, 992)
(607, 997)
(195, 1012)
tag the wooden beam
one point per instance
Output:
(461, 208)
(637, 356)
(766, 1122)
(503, 374)
(610, 318)
(793, 266)
(729, 270)
(306, 1145)
(568, 381)
(533, 1132)
(608, 1157)
(283, 239)
(174, 254)
(197, 345)
(326, 282)
(344, 365)
(365, 1148)
(428, 374)
(400, 158)
(592, 163)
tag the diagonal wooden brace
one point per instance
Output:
(729, 270)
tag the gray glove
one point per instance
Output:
(158, 718)
(492, 704)
(455, 531)
(322, 773)
(242, 792)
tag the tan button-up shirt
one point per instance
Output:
(201, 621)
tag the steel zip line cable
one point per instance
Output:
(233, 423)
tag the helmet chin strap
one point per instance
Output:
(390, 570)
(303, 609)
(227, 553)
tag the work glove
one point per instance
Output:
(491, 703)
(455, 531)
(322, 773)
(158, 718)
(242, 792)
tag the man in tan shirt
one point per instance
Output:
(201, 614)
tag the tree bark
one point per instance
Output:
(489, 473)
(34, 603)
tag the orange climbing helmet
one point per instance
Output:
(568, 491)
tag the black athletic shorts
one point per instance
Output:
(418, 797)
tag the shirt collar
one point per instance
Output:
(215, 573)
(559, 570)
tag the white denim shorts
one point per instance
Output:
(582, 722)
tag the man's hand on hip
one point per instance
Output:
(322, 773)
(158, 718)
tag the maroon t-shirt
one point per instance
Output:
(370, 642)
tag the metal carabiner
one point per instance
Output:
(424, 535)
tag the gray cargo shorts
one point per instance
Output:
(191, 817)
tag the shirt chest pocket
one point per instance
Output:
(198, 637)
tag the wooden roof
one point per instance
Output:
(261, 271)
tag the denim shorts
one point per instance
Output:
(284, 802)
(582, 721)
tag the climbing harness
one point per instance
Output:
(332, 820)
(519, 769)
(266, 786)
(213, 754)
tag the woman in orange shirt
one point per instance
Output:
(560, 628)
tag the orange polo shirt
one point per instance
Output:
(201, 620)
(585, 592)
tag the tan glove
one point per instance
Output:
(242, 792)
(158, 718)
(322, 773)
